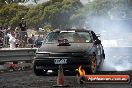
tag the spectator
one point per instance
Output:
(1, 37)
(31, 40)
(22, 26)
(1, 42)
(38, 42)
(12, 40)
(0, 27)
(1, 34)
(17, 32)
(6, 37)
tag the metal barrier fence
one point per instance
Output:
(18, 54)
(16, 59)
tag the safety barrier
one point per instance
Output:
(17, 54)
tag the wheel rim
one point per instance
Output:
(93, 64)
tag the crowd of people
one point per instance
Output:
(15, 39)
(18, 37)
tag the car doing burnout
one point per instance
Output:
(70, 48)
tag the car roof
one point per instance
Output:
(76, 30)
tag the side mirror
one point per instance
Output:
(97, 41)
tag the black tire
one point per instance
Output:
(101, 63)
(39, 72)
(92, 69)
(103, 55)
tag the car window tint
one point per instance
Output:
(83, 37)
(72, 37)
(52, 38)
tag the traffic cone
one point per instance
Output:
(60, 78)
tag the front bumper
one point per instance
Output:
(72, 63)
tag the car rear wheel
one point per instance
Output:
(101, 63)
(93, 65)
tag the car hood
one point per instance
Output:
(74, 47)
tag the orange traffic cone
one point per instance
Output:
(60, 78)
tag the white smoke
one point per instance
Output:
(115, 35)
(117, 64)
(116, 27)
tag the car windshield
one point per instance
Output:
(72, 37)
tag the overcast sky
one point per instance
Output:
(84, 1)
(40, 1)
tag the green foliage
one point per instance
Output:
(48, 28)
(105, 9)
(54, 12)
(60, 13)
(15, 1)
(11, 14)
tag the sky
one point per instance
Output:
(41, 1)
(33, 3)
(85, 1)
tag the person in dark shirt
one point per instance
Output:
(23, 30)
(1, 42)
(1, 34)
(0, 27)
(38, 42)
(22, 25)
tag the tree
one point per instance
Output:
(15, 1)
(11, 14)
(54, 12)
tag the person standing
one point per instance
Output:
(22, 26)
(1, 37)
(38, 41)
(12, 40)
(1, 42)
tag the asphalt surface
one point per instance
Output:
(27, 79)
(118, 61)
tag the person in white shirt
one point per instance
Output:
(12, 40)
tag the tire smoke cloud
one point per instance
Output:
(115, 29)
